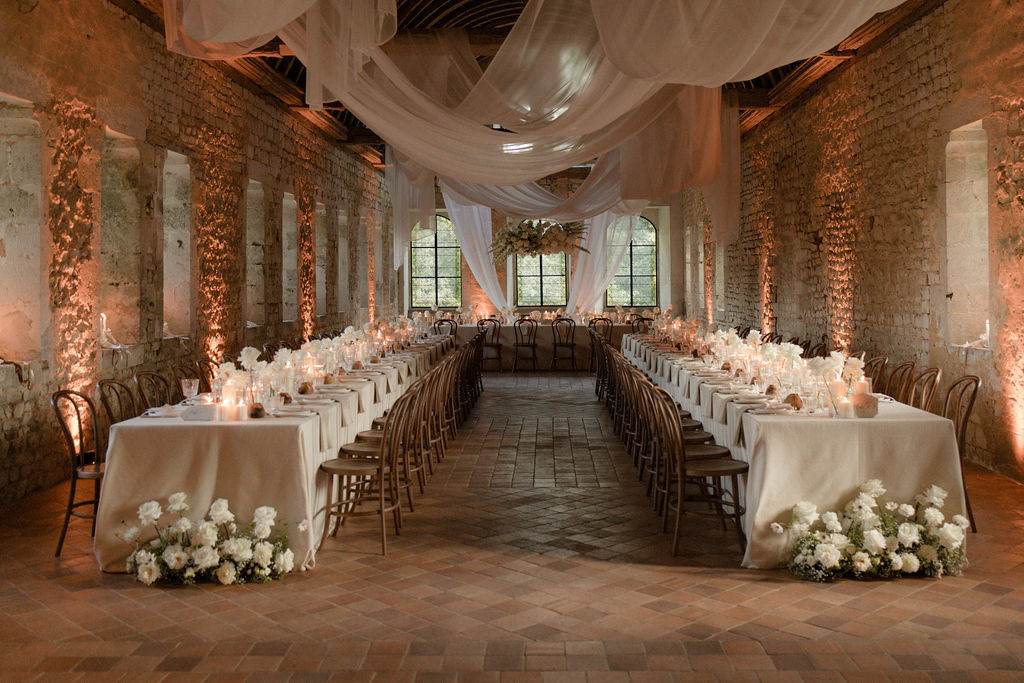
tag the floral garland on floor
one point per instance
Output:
(868, 540)
(535, 237)
(211, 549)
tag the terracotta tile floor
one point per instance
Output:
(533, 556)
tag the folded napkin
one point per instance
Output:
(164, 411)
(200, 413)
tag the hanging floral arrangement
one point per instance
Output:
(536, 237)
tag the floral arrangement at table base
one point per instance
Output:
(870, 540)
(535, 237)
(210, 549)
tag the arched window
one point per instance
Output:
(636, 282)
(436, 268)
(541, 280)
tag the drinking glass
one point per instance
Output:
(189, 388)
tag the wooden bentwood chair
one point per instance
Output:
(76, 416)
(526, 338)
(563, 334)
(957, 407)
(491, 329)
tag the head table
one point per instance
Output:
(545, 343)
(797, 456)
(273, 460)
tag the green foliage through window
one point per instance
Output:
(541, 280)
(436, 268)
(636, 281)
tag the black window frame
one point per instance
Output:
(540, 278)
(631, 276)
(435, 277)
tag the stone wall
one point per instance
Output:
(844, 211)
(91, 102)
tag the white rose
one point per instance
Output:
(928, 553)
(239, 549)
(827, 555)
(177, 502)
(831, 521)
(219, 512)
(130, 534)
(149, 512)
(805, 513)
(205, 534)
(778, 528)
(264, 515)
(144, 557)
(896, 560)
(148, 573)
(933, 517)
(226, 370)
(908, 534)
(933, 495)
(284, 562)
(873, 487)
(951, 536)
(261, 530)
(174, 557)
(248, 357)
(861, 561)
(907, 510)
(840, 541)
(892, 506)
(874, 541)
(961, 521)
(911, 564)
(205, 557)
(263, 554)
(182, 525)
(226, 573)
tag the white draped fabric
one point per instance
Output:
(607, 243)
(711, 42)
(722, 197)
(472, 225)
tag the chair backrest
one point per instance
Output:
(564, 330)
(958, 405)
(743, 332)
(526, 331)
(76, 416)
(446, 326)
(817, 351)
(490, 327)
(899, 379)
(640, 324)
(875, 368)
(791, 340)
(602, 326)
(154, 389)
(766, 337)
(776, 338)
(118, 401)
(207, 373)
(923, 388)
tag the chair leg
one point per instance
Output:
(67, 515)
(736, 512)
(328, 510)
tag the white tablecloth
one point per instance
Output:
(545, 345)
(270, 461)
(799, 457)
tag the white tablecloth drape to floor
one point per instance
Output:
(270, 461)
(796, 457)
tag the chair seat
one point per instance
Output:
(350, 466)
(697, 436)
(364, 449)
(370, 435)
(704, 451)
(379, 422)
(92, 471)
(690, 425)
(715, 467)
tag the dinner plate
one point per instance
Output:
(294, 413)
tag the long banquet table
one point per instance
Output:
(269, 461)
(795, 457)
(545, 344)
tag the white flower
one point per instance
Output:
(827, 555)
(177, 502)
(205, 556)
(248, 357)
(303, 525)
(874, 541)
(961, 521)
(219, 512)
(872, 487)
(190, 573)
(282, 356)
(263, 553)
(148, 573)
(284, 561)
(174, 557)
(951, 536)
(805, 513)
(261, 530)
(933, 495)
(144, 557)
(226, 370)
(130, 534)
(831, 521)
(896, 560)
(927, 553)
(182, 525)
(778, 528)
(264, 515)
(226, 573)
(861, 561)
(205, 534)
(149, 512)
(910, 563)
(933, 517)
(239, 549)
(891, 506)
(798, 528)
(892, 543)
(840, 541)
(906, 510)
(909, 535)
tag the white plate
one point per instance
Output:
(294, 413)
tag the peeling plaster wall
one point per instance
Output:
(844, 210)
(71, 72)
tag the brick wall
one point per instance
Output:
(87, 74)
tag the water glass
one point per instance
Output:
(189, 387)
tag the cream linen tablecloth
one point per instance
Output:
(800, 457)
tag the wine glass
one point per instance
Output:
(189, 388)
